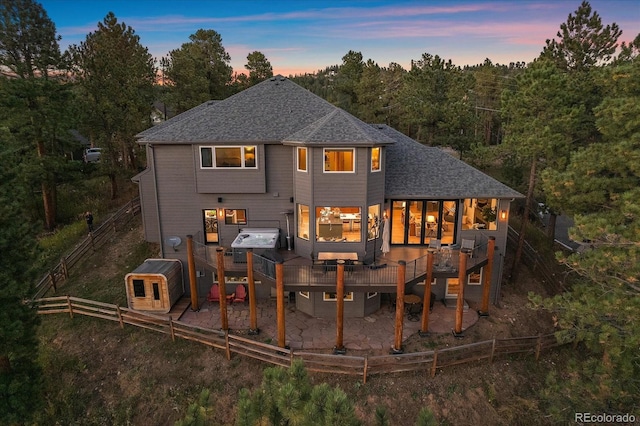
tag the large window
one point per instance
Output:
(235, 216)
(374, 222)
(338, 224)
(228, 157)
(339, 160)
(480, 213)
(375, 159)
(303, 221)
(302, 159)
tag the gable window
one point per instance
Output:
(339, 160)
(302, 159)
(243, 157)
(375, 159)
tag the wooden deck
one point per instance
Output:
(301, 274)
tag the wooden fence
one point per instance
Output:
(60, 272)
(428, 362)
(554, 276)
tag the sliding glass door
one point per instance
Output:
(416, 222)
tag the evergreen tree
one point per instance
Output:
(583, 41)
(347, 80)
(287, 397)
(199, 71)
(116, 75)
(34, 95)
(20, 376)
(259, 68)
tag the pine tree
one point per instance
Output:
(199, 71)
(116, 75)
(20, 376)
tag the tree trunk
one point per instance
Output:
(525, 220)
(114, 185)
(48, 195)
(551, 227)
(5, 364)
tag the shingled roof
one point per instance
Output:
(339, 128)
(417, 171)
(279, 111)
(272, 111)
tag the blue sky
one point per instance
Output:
(305, 36)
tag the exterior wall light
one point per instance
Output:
(503, 215)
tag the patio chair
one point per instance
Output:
(240, 295)
(214, 293)
(468, 246)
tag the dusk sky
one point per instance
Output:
(306, 36)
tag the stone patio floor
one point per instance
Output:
(374, 333)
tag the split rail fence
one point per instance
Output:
(60, 272)
(428, 362)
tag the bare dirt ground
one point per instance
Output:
(98, 373)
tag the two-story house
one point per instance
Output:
(277, 157)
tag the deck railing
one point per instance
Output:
(445, 261)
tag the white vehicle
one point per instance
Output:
(92, 155)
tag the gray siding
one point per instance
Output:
(148, 206)
(230, 181)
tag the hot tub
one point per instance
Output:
(254, 238)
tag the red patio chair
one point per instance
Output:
(240, 294)
(214, 293)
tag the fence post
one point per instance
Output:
(69, 306)
(52, 277)
(493, 350)
(538, 346)
(65, 270)
(120, 320)
(173, 336)
(227, 345)
(366, 367)
(434, 365)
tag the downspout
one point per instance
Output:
(155, 190)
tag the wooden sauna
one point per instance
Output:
(155, 285)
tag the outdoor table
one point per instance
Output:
(413, 302)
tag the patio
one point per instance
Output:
(373, 333)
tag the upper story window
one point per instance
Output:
(375, 159)
(302, 159)
(228, 157)
(339, 160)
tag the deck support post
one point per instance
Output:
(486, 280)
(339, 348)
(224, 320)
(280, 303)
(397, 344)
(462, 281)
(193, 285)
(426, 303)
(253, 315)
